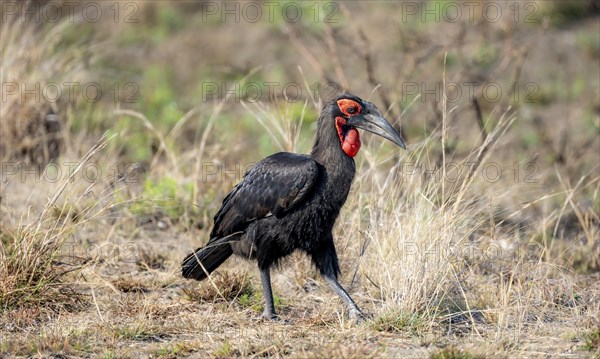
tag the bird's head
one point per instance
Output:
(350, 113)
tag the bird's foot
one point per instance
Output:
(268, 316)
(358, 316)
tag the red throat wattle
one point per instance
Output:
(350, 142)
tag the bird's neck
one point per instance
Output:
(339, 167)
(330, 155)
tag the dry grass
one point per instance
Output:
(33, 267)
(224, 287)
(30, 63)
(32, 274)
(466, 268)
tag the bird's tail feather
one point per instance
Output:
(204, 260)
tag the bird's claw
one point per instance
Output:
(274, 318)
(266, 316)
(270, 316)
(358, 316)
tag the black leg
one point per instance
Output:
(355, 311)
(265, 278)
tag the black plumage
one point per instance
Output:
(291, 201)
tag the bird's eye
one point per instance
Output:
(349, 107)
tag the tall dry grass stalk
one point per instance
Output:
(426, 250)
(34, 265)
(36, 62)
(416, 230)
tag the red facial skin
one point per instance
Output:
(345, 105)
(350, 142)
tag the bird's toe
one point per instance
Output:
(266, 316)
(359, 317)
(273, 318)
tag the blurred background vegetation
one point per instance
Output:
(170, 62)
(196, 91)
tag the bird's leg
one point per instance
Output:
(355, 311)
(265, 278)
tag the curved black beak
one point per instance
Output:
(371, 120)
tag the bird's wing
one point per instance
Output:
(274, 185)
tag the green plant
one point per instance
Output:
(591, 340)
(225, 351)
(164, 196)
(396, 321)
(452, 353)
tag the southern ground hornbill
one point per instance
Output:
(290, 201)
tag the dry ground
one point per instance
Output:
(99, 201)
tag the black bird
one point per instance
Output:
(291, 201)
